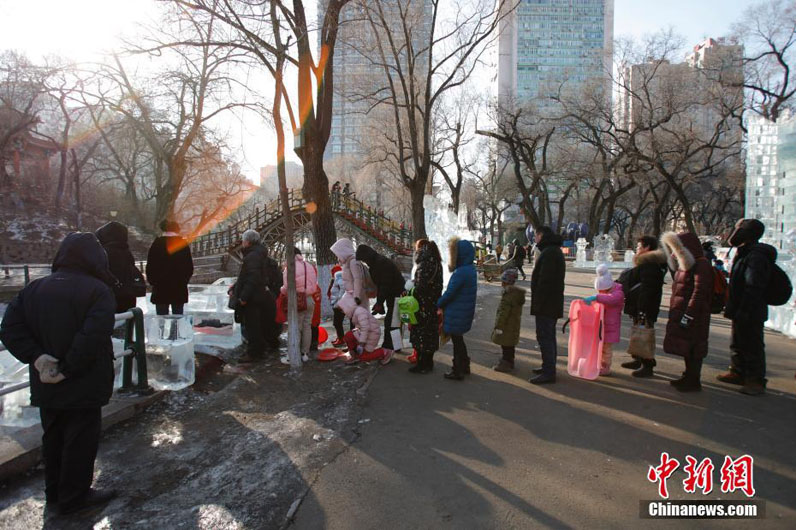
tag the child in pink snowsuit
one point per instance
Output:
(363, 341)
(610, 295)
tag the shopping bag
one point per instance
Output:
(397, 339)
(642, 342)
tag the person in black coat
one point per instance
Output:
(643, 293)
(256, 289)
(547, 299)
(747, 307)
(61, 326)
(169, 267)
(113, 237)
(427, 290)
(389, 283)
(517, 258)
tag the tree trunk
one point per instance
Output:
(316, 195)
(418, 192)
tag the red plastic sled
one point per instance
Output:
(585, 339)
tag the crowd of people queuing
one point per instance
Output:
(94, 276)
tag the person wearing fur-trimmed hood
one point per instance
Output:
(644, 283)
(458, 303)
(688, 326)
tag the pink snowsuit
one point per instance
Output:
(367, 330)
(353, 275)
(614, 301)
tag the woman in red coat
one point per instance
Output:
(689, 308)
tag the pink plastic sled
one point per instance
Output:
(585, 339)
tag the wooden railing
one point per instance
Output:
(376, 225)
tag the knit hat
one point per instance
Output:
(604, 281)
(509, 276)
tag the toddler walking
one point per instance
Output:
(610, 295)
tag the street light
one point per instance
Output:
(113, 213)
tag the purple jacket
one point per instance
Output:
(613, 301)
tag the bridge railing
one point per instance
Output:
(375, 223)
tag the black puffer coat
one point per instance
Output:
(428, 288)
(547, 278)
(385, 274)
(645, 285)
(69, 315)
(113, 237)
(749, 278)
(257, 273)
(169, 267)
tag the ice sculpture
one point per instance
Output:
(580, 257)
(15, 409)
(170, 352)
(603, 249)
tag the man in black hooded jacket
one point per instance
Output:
(61, 326)
(389, 283)
(113, 237)
(257, 287)
(747, 307)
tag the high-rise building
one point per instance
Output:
(359, 78)
(546, 43)
(702, 88)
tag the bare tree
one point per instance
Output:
(310, 109)
(768, 32)
(172, 109)
(22, 85)
(425, 50)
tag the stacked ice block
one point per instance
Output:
(170, 352)
(15, 409)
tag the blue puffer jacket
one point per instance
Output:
(458, 301)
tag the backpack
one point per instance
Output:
(721, 291)
(371, 291)
(408, 306)
(779, 288)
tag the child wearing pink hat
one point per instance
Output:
(610, 295)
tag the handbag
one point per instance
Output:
(642, 342)
(234, 302)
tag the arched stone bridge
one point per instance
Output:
(353, 218)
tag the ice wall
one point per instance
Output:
(441, 225)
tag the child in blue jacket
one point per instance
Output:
(458, 303)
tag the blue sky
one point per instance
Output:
(694, 19)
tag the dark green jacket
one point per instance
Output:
(509, 317)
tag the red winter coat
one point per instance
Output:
(691, 294)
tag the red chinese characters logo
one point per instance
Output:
(662, 473)
(736, 474)
(699, 475)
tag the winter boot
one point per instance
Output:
(753, 388)
(690, 381)
(504, 366)
(646, 368)
(731, 377)
(425, 364)
(635, 364)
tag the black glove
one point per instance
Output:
(685, 322)
(357, 300)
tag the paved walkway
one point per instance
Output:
(496, 452)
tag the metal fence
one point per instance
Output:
(134, 349)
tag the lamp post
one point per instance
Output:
(113, 214)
